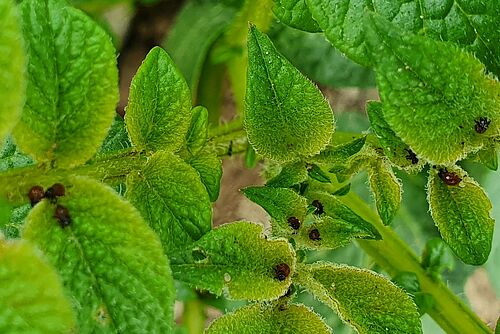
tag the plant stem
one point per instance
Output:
(394, 256)
(194, 316)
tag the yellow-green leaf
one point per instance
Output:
(31, 294)
(286, 116)
(158, 113)
(461, 213)
(172, 199)
(72, 84)
(238, 261)
(110, 261)
(269, 319)
(364, 300)
(12, 68)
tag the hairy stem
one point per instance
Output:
(194, 316)
(394, 256)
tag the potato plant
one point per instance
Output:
(105, 221)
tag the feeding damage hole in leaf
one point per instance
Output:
(35, 195)
(482, 125)
(314, 235)
(61, 214)
(294, 222)
(411, 156)
(102, 316)
(319, 207)
(281, 271)
(449, 178)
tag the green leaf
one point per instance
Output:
(295, 14)
(197, 134)
(11, 157)
(291, 174)
(209, 168)
(105, 247)
(316, 173)
(314, 56)
(280, 204)
(236, 259)
(386, 190)
(437, 257)
(12, 68)
(158, 113)
(394, 148)
(471, 24)
(335, 208)
(197, 27)
(462, 214)
(31, 297)
(72, 84)
(486, 156)
(286, 116)
(439, 89)
(269, 319)
(340, 149)
(172, 199)
(117, 138)
(363, 299)
(12, 229)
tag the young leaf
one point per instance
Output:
(158, 113)
(329, 233)
(437, 257)
(269, 319)
(72, 84)
(118, 260)
(340, 150)
(12, 68)
(291, 174)
(386, 190)
(394, 148)
(363, 299)
(209, 168)
(295, 14)
(31, 297)
(470, 24)
(461, 212)
(171, 198)
(11, 157)
(438, 89)
(117, 138)
(486, 156)
(334, 208)
(197, 134)
(281, 204)
(286, 116)
(236, 259)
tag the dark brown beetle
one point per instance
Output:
(281, 271)
(56, 190)
(35, 194)
(61, 214)
(319, 207)
(449, 178)
(314, 234)
(294, 222)
(411, 156)
(482, 125)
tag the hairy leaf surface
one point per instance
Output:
(31, 295)
(365, 300)
(158, 113)
(462, 214)
(12, 68)
(286, 116)
(110, 261)
(72, 86)
(471, 24)
(433, 93)
(269, 319)
(172, 199)
(236, 259)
